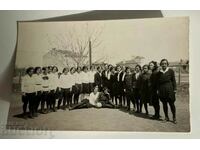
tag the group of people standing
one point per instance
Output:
(102, 86)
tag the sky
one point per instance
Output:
(118, 40)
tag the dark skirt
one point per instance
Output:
(31, 101)
(113, 89)
(85, 88)
(117, 89)
(130, 96)
(24, 99)
(79, 88)
(154, 97)
(66, 93)
(52, 95)
(137, 94)
(166, 92)
(91, 86)
(60, 94)
(145, 96)
(75, 89)
(45, 96)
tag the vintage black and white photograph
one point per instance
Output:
(102, 75)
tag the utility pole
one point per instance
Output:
(179, 72)
(90, 53)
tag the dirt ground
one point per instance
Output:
(103, 119)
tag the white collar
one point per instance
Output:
(137, 73)
(161, 70)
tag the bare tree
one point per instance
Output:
(76, 38)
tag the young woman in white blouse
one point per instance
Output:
(65, 89)
(89, 101)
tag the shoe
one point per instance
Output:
(31, 116)
(115, 106)
(154, 117)
(35, 115)
(43, 112)
(47, 111)
(174, 121)
(25, 116)
(166, 119)
(70, 108)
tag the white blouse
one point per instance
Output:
(93, 97)
(85, 77)
(28, 84)
(71, 79)
(38, 82)
(45, 83)
(66, 81)
(53, 80)
(91, 76)
(77, 77)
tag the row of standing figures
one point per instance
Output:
(147, 85)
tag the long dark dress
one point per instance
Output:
(137, 94)
(98, 80)
(117, 86)
(153, 87)
(166, 86)
(154, 95)
(145, 87)
(112, 85)
(129, 82)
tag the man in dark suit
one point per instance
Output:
(98, 78)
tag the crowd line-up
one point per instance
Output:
(100, 86)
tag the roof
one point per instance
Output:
(67, 53)
(128, 62)
(177, 63)
(107, 15)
